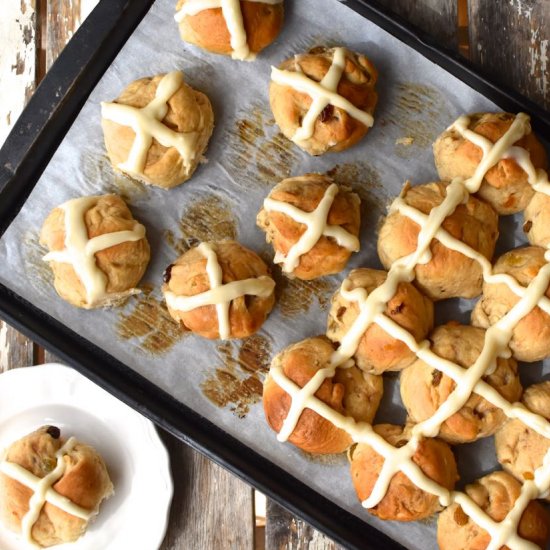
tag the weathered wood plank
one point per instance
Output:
(438, 18)
(283, 531)
(511, 44)
(17, 60)
(15, 349)
(213, 508)
(63, 18)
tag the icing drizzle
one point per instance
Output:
(147, 125)
(220, 295)
(317, 226)
(322, 94)
(43, 491)
(231, 11)
(497, 338)
(80, 250)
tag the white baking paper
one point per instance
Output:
(245, 158)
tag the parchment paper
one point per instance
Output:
(246, 157)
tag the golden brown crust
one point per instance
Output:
(495, 494)
(189, 111)
(208, 28)
(449, 273)
(403, 500)
(520, 450)
(335, 129)
(424, 389)
(531, 336)
(305, 193)
(350, 392)
(537, 220)
(188, 277)
(378, 351)
(505, 186)
(85, 482)
(123, 264)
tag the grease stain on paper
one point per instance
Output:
(259, 153)
(150, 323)
(366, 181)
(39, 272)
(238, 382)
(295, 297)
(209, 218)
(416, 110)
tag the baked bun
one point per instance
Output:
(350, 392)
(448, 274)
(495, 494)
(83, 479)
(224, 273)
(308, 241)
(403, 501)
(104, 269)
(505, 186)
(521, 450)
(424, 389)
(537, 220)
(531, 336)
(255, 24)
(333, 127)
(378, 351)
(174, 123)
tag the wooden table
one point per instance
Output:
(507, 39)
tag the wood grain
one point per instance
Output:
(285, 532)
(63, 18)
(437, 18)
(213, 510)
(18, 61)
(512, 44)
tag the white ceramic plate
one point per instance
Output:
(136, 516)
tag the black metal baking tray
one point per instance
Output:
(26, 153)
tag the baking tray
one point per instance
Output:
(27, 152)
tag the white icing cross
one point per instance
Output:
(80, 250)
(317, 226)
(497, 339)
(231, 10)
(322, 94)
(147, 125)
(43, 491)
(219, 294)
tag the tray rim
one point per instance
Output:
(26, 153)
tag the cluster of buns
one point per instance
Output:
(84, 482)
(457, 264)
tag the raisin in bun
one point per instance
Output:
(537, 220)
(378, 351)
(324, 255)
(109, 272)
(246, 287)
(175, 123)
(403, 501)
(424, 389)
(350, 392)
(335, 128)
(83, 480)
(448, 273)
(505, 186)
